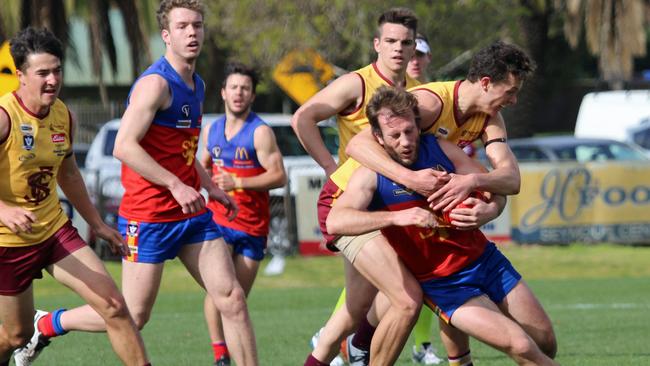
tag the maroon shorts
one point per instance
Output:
(19, 266)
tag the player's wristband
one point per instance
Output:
(500, 139)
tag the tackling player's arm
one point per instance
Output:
(480, 212)
(349, 215)
(364, 148)
(16, 219)
(504, 179)
(342, 95)
(269, 156)
(149, 95)
(72, 184)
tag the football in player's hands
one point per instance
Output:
(476, 194)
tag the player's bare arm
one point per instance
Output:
(216, 193)
(429, 107)
(149, 95)
(72, 184)
(478, 211)
(204, 156)
(505, 177)
(17, 219)
(342, 95)
(503, 180)
(350, 217)
(269, 156)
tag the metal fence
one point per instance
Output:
(90, 116)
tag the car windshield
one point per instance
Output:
(598, 152)
(286, 138)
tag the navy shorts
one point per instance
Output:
(244, 244)
(491, 274)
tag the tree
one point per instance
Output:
(54, 15)
(615, 31)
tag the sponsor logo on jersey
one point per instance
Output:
(26, 128)
(58, 137)
(26, 157)
(400, 191)
(28, 142)
(241, 153)
(443, 131)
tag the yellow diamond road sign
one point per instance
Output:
(8, 78)
(302, 73)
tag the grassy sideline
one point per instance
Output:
(598, 297)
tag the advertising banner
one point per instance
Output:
(592, 202)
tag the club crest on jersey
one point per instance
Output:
(186, 121)
(132, 229)
(216, 151)
(28, 142)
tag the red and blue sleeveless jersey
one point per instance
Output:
(427, 253)
(171, 140)
(238, 157)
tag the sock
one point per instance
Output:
(220, 349)
(422, 329)
(50, 324)
(363, 335)
(312, 361)
(462, 360)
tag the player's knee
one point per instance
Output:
(116, 310)
(140, 319)
(548, 344)
(19, 337)
(408, 303)
(522, 346)
(234, 304)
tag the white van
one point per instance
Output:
(622, 115)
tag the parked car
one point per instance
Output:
(570, 148)
(619, 115)
(103, 172)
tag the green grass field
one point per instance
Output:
(597, 296)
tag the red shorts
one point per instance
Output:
(19, 266)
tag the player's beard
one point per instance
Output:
(395, 155)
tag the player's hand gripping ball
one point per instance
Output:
(476, 194)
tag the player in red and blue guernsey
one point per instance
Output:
(162, 214)
(245, 161)
(464, 278)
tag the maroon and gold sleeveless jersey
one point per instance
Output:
(30, 158)
(449, 126)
